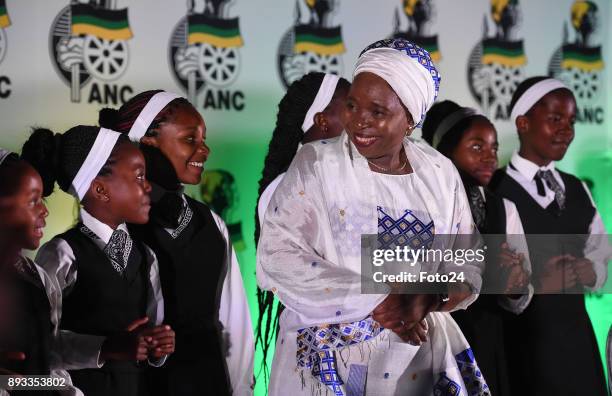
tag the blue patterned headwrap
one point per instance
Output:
(408, 69)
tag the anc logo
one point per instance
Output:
(204, 54)
(496, 64)
(311, 45)
(580, 64)
(218, 190)
(88, 42)
(410, 23)
(5, 22)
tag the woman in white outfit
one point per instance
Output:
(371, 180)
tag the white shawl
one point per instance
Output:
(306, 264)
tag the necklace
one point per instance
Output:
(388, 169)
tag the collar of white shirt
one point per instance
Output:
(527, 168)
(482, 192)
(103, 231)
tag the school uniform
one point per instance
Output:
(204, 299)
(107, 281)
(483, 322)
(27, 327)
(551, 346)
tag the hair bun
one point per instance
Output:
(42, 151)
(108, 118)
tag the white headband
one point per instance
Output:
(532, 95)
(324, 96)
(148, 114)
(97, 157)
(449, 122)
(4, 154)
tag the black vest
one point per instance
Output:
(552, 346)
(495, 220)
(30, 327)
(192, 270)
(482, 321)
(104, 302)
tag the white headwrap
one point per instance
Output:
(531, 96)
(148, 114)
(4, 154)
(324, 96)
(97, 157)
(408, 69)
(449, 122)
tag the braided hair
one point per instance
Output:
(283, 146)
(451, 139)
(58, 157)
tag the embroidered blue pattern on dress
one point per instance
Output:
(471, 374)
(446, 386)
(407, 230)
(317, 345)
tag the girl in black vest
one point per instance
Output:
(470, 141)
(201, 281)
(25, 325)
(109, 282)
(553, 348)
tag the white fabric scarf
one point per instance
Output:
(409, 79)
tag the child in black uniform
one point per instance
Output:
(470, 141)
(553, 350)
(25, 325)
(109, 282)
(200, 276)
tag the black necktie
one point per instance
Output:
(553, 184)
(118, 249)
(477, 206)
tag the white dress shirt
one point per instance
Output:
(73, 351)
(596, 251)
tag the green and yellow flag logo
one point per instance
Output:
(5, 21)
(222, 33)
(99, 22)
(322, 41)
(504, 53)
(430, 44)
(582, 58)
